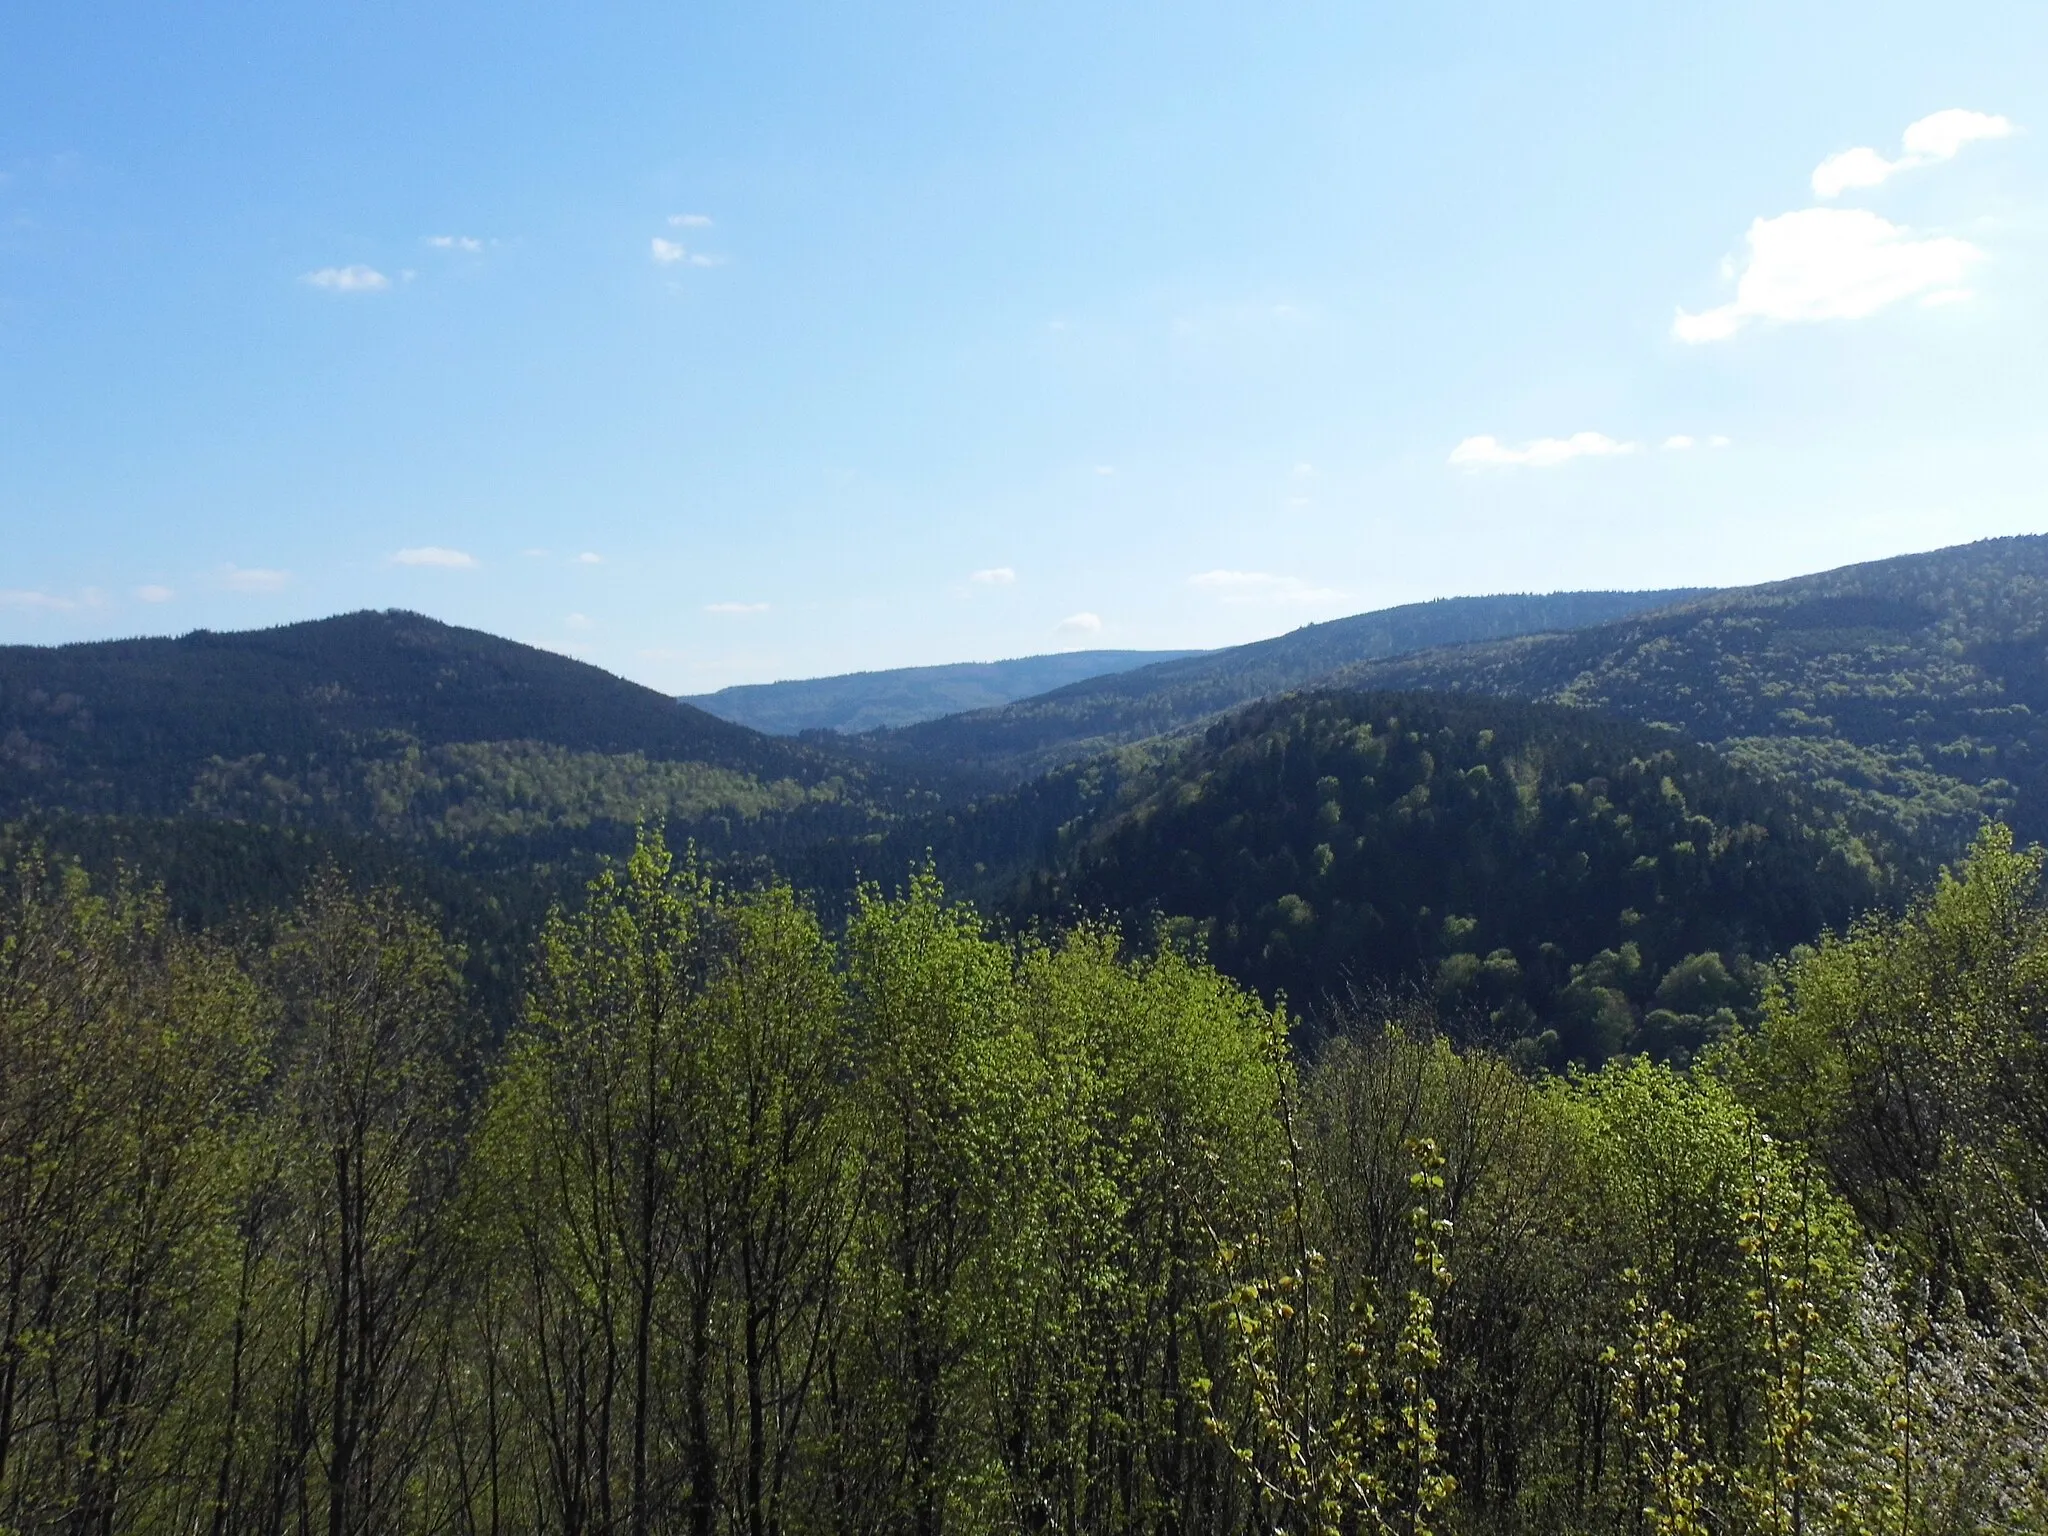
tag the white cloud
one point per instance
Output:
(1680, 442)
(689, 221)
(435, 555)
(348, 279)
(1717, 441)
(578, 621)
(668, 253)
(1831, 264)
(1079, 624)
(735, 608)
(467, 244)
(1105, 469)
(1543, 453)
(1260, 587)
(239, 578)
(1937, 137)
(153, 593)
(1861, 167)
(15, 597)
(587, 558)
(994, 576)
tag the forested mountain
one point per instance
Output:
(1542, 868)
(866, 701)
(1013, 743)
(394, 724)
(755, 1227)
(1913, 690)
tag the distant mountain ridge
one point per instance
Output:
(396, 725)
(898, 696)
(1017, 741)
(1913, 688)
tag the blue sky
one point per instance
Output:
(719, 343)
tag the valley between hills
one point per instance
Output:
(1522, 1063)
(1550, 810)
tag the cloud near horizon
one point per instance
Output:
(994, 576)
(240, 578)
(48, 602)
(1542, 453)
(1928, 141)
(1079, 624)
(435, 555)
(1833, 264)
(154, 592)
(354, 279)
(468, 244)
(1261, 587)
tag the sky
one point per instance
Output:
(720, 343)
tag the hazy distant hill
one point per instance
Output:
(393, 724)
(1015, 741)
(866, 701)
(1915, 688)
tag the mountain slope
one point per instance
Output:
(865, 701)
(1914, 689)
(1015, 742)
(389, 723)
(1541, 867)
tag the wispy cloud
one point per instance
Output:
(1076, 624)
(689, 221)
(244, 578)
(16, 597)
(435, 555)
(578, 621)
(356, 279)
(468, 244)
(1833, 264)
(1937, 137)
(1261, 587)
(1542, 453)
(589, 558)
(669, 253)
(994, 576)
(735, 608)
(155, 593)
(1681, 442)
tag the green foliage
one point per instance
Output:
(1541, 868)
(488, 752)
(1020, 741)
(1910, 1055)
(756, 1229)
(1907, 693)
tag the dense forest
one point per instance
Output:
(1001, 747)
(1568, 884)
(445, 1089)
(1910, 689)
(753, 1226)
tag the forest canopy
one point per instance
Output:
(754, 1226)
